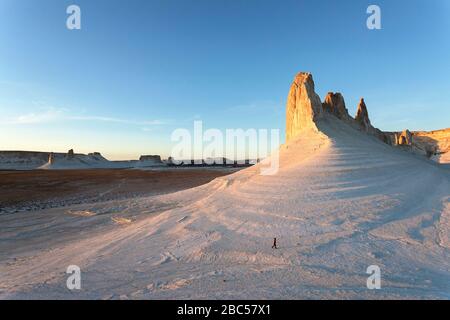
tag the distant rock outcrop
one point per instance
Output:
(70, 154)
(404, 138)
(151, 158)
(435, 144)
(303, 106)
(97, 156)
(51, 158)
(29, 160)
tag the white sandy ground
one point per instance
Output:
(340, 202)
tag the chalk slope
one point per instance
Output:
(341, 201)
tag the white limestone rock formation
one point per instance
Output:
(303, 106)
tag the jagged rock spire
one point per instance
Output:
(303, 106)
(334, 103)
(362, 116)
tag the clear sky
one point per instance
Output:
(138, 69)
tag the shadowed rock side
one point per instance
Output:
(435, 144)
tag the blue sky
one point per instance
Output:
(139, 69)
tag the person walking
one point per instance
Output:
(274, 246)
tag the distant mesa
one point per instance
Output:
(70, 154)
(151, 158)
(304, 111)
(97, 156)
(29, 160)
(72, 160)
